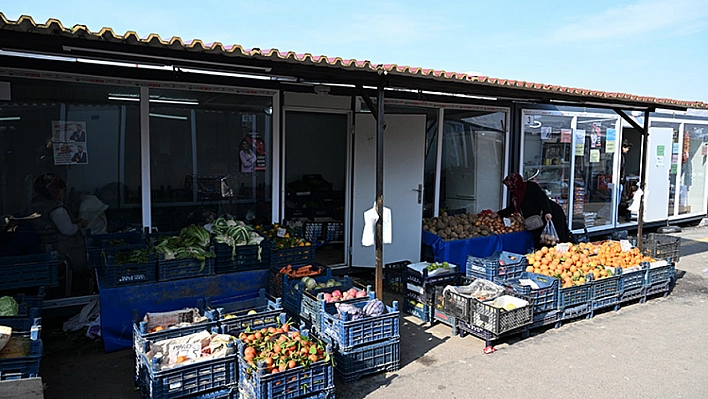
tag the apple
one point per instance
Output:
(337, 293)
(352, 292)
(360, 294)
(327, 297)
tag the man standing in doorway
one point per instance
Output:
(625, 192)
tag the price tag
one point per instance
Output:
(281, 232)
(190, 350)
(626, 245)
(507, 222)
(562, 248)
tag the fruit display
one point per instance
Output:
(282, 237)
(572, 264)
(470, 225)
(435, 266)
(280, 349)
(337, 295)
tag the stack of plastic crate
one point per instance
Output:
(420, 287)
(21, 356)
(365, 345)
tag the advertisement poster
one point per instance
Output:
(579, 142)
(594, 155)
(595, 136)
(610, 141)
(546, 133)
(566, 136)
(69, 142)
(252, 153)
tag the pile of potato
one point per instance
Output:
(470, 225)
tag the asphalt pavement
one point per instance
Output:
(655, 349)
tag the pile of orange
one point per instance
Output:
(573, 266)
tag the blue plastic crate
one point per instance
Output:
(632, 278)
(604, 287)
(420, 310)
(420, 294)
(188, 380)
(233, 312)
(574, 312)
(633, 294)
(659, 272)
(345, 334)
(24, 366)
(303, 306)
(655, 289)
(242, 257)
(300, 382)
(573, 296)
(439, 314)
(292, 256)
(276, 278)
(606, 302)
(37, 270)
(127, 274)
(416, 273)
(545, 297)
(311, 310)
(500, 265)
(372, 358)
(177, 269)
(29, 309)
(546, 318)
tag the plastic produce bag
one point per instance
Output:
(8, 306)
(549, 235)
(482, 290)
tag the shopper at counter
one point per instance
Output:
(528, 199)
(55, 227)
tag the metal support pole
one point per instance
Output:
(379, 191)
(643, 178)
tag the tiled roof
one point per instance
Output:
(26, 24)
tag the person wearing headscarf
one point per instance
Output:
(528, 199)
(56, 228)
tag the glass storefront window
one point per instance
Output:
(594, 160)
(472, 159)
(693, 157)
(41, 130)
(547, 156)
(210, 154)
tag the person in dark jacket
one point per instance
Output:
(528, 199)
(56, 228)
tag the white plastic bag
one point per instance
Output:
(549, 236)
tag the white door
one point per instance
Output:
(658, 163)
(404, 157)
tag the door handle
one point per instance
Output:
(420, 193)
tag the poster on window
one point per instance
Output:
(566, 135)
(579, 142)
(252, 153)
(610, 140)
(69, 142)
(546, 133)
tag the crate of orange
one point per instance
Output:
(284, 362)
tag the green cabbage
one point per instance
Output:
(8, 306)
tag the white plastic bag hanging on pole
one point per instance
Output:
(370, 218)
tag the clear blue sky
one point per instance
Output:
(645, 47)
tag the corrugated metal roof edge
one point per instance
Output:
(27, 24)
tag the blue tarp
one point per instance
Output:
(119, 304)
(456, 251)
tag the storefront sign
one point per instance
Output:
(566, 136)
(69, 142)
(610, 140)
(579, 142)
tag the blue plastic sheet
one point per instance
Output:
(456, 251)
(119, 304)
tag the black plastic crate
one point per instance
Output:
(242, 257)
(276, 278)
(127, 274)
(177, 269)
(292, 256)
(37, 270)
(418, 274)
(351, 365)
(499, 265)
(29, 309)
(499, 320)
(96, 244)
(662, 246)
(393, 276)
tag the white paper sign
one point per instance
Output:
(281, 232)
(191, 351)
(625, 245)
(507, 222)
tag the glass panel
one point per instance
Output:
(593, 170)
(472, 160)
(547, 149)
(41, 131)
(210, 154)
(693, 168)
(675, 159)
